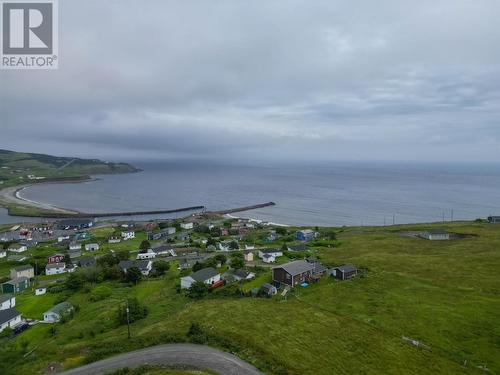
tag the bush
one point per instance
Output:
(99, 293)
(199, 290)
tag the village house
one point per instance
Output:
(75, 246)
(7, 301)
(300, 247)
(9, 318)
(75, 224)
(208, 276)
(345, 272)
(271, 236)
(435, 235)
(248, 256)
(3, 253)
(153, 236)
(17, 248)
(305, 235)
(188, 225)
(17, 258)
(86, 261)
(55, 258)
(224, 245)
(62, 238)
(145, 266)
(185, 263)
(74, 254)
(270, 255)
(224, 232)
(164, 250)
(249, 247)
(128, 234)
(26, 270)
(55, 268)
(146, 254)
(182, 236)
(242, 274)
(57, 312)
(293, 273)
(114, 239)
(494, 219)
(91, 247)
(16, 285)
(319, 269)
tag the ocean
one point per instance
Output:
(337, 194)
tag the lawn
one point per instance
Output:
(445, 294)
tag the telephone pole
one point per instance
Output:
(128, 319)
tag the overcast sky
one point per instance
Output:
(264, 80)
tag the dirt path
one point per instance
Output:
(197, 356)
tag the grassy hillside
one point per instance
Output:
(443, 294)
(15, 167)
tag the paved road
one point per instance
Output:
(198, 356)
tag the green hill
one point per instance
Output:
(17, 168)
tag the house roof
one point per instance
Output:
(141, 264)
(16, 246)
(162, 248)
(17, 281)
(270, 251)
(347, 268)
(298, 247)
(75, 222)
(55, 265)
(60, 308)
(5, 297)
(437, 231)
(86, 261)
(312, 259)
(204, 274)
(306, 231)
(56, 255)
(296, 267)
(241, 273)
(91, 244)
(24, 267)
(8, 315)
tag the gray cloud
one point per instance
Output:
(267, 80)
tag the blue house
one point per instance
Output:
(305, 235)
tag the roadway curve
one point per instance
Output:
(197, 356)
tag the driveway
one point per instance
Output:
(198, 356)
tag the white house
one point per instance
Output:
(75, 246)
(145, 266)
(270, 255)
(55, 313)
(40, 291)
(436, 235)
(207, 275)
(128, 234)
(3, 253)
(92, 246)
(224, 245)
(243, 275)
(9, 318)
(62, 238)
(149, 254)
(114, 239)
(164, 250)
(17, 248)
(188, 225)
(55, 268)
(7, 301)
(249, 247)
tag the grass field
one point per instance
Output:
(443, 294)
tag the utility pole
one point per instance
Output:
(128, 319)
(393, 219)
(452, 215)
(443, 216)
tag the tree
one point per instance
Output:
(137, 311)
(211, 241)
(74, 281)
(198, 290)
(237, 260)
(161, 267)
(123, 255)
(112, 273)
(281, 230)
(145, 245)
(202, 229)
(197, 266)
(284, 247)
(133, 275)
(107, 260)
(221, 258)
(234, 245)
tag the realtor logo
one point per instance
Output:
(29, 37)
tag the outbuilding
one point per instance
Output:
(436, 235)
(7, 301)
(57, 312)
(345, 272)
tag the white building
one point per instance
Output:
(40, 291)
(62, 238)
(187, 225)
(127, 235)
(3, 253)
(55, 313)
(92, 246)
(114, 239)
(270, 255)
(207, 275)
(9, 318)
(268, 258)
(75, 246)
(7, 301)
(436, 235)
(55, 268)
(17, 248)
(149, 254)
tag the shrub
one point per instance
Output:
(99, 293)
(137, 311)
